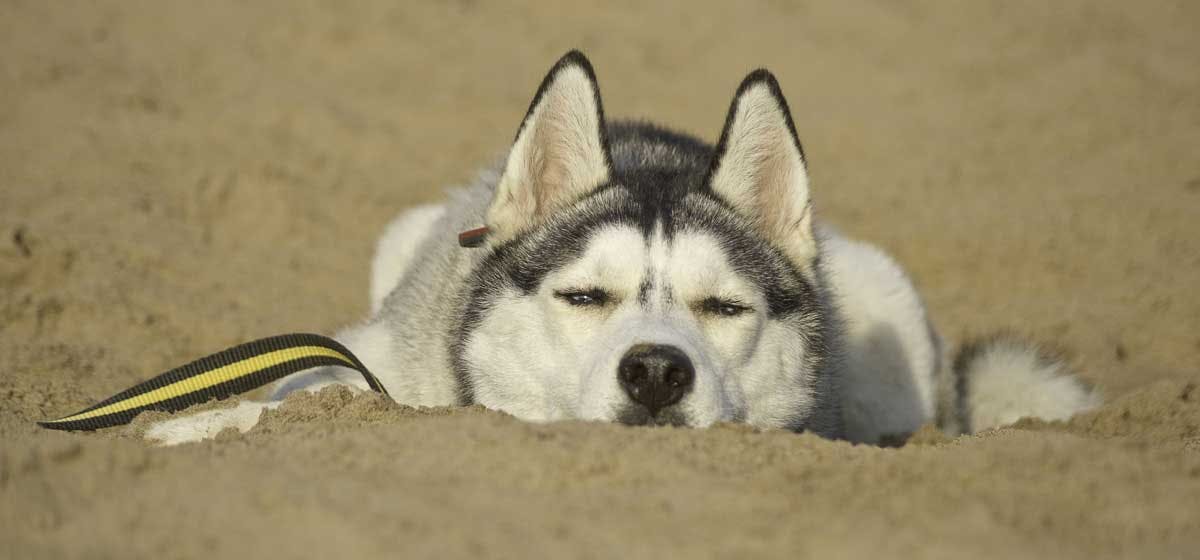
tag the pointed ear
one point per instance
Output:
(560, 153)
(759, 168)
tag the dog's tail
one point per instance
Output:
(996, 381)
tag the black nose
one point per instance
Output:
(655, 375)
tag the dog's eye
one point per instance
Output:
(723, 307)
(592, 296)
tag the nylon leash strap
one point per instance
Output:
(218, 376)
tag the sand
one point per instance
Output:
(178, 177)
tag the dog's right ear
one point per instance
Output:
(560, 153)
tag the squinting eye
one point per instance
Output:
(593, 296)
(724, 308)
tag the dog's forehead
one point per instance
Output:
(614, 255)
(693, 261)
(625, 255)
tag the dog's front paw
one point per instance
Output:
(206, 425)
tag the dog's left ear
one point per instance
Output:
(560, 153)
(759, 168)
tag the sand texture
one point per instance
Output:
(177, 177)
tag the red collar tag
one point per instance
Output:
(473, 237)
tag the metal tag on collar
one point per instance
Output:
(473, 237)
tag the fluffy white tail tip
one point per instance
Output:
(1003, 379)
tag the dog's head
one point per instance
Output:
(641, 276)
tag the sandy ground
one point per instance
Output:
(179, 177)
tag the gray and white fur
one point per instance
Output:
(633, 274)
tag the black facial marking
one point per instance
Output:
(644, 290)
(658, 168)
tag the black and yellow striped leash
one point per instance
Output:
(235, 371)
(222, 375)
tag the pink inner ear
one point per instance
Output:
(473, 237)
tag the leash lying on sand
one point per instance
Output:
(230, 372)
(218, 376)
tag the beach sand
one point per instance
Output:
(179, 177)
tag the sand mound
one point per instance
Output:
(334, 473)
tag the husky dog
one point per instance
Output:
(637, 275)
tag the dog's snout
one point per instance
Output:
(655, 375)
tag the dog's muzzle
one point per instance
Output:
(655, 376)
